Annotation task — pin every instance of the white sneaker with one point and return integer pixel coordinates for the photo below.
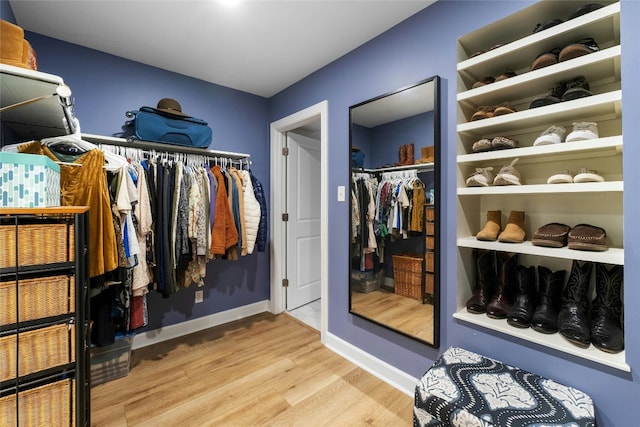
(482, 177)
(564, 177)
(508, 175)
(583, 131)
(586, 175)
(553, 135)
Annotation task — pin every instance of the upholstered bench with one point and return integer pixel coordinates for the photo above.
(466, 389)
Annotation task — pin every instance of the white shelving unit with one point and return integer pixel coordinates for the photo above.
(599, 204)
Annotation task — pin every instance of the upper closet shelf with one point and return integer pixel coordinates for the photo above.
(35, 105)
(159, 147)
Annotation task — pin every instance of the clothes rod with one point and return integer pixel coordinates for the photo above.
(146, 145)
(418, 166)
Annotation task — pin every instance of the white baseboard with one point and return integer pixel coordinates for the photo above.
(175, 331)
(380, 369)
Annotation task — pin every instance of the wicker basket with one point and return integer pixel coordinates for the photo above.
(407, 275)
(47, 405)
(39, 349)
(37, 244)
(38, 298)
(429, 259)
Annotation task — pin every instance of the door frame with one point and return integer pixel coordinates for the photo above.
(278, 187)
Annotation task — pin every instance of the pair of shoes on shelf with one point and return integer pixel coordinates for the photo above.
(486, 111)
(483, 177)
(514, 231)
(572, 50)
(575, 88)
(567, 177)
(584, 237)
(480, 52)
(582, 10)
(490, 79)
(493, 288)
(556, 134)
(496, 143)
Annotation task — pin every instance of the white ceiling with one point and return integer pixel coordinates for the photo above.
(256, 46)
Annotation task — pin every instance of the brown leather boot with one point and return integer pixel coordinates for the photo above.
(402, 155)
(410, 158)
(514, 230)
(492, 227)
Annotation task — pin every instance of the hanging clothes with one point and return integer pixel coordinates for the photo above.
(224, 234)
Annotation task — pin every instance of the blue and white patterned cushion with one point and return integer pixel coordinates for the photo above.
(465, 389)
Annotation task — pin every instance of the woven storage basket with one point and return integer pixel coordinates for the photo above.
(38, 298)
(429, 283)
(407, 275)
(38, 349)
(37, 244)
(47, 405)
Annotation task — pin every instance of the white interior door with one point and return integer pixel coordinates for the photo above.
(303, 226)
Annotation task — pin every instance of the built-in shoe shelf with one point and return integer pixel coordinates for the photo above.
(596, 203)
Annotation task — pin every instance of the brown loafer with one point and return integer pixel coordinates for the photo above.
(585, 237)
(553, 235)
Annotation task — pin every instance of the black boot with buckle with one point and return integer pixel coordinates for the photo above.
(606, 310)
(573, 322)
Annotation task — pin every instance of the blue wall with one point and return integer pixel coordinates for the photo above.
(422, 46)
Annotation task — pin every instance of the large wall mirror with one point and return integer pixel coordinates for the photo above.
(394, 234)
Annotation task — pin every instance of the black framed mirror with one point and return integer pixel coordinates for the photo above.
(394, 210)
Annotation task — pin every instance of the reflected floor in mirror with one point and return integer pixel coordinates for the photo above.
(395, 311)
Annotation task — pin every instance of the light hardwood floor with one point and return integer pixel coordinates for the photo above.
(266, 370)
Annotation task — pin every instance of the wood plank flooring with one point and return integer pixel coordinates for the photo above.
(266, 370)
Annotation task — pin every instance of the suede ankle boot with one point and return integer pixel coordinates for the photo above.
(545, 317)
(606, 310)
(492, 227)
(502, 300)
(484, 262)
(524, 302)
(514, 230)
(573, 323)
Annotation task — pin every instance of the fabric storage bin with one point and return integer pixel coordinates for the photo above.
(36, 350)
(366, 281)
(44, 243)
(47, 405)
(28, 181)
(463, 388)
(407, 275)
(38, 298)
(111, 362)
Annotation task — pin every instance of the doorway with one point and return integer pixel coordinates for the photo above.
(298, 253)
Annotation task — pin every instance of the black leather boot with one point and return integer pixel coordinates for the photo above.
(485, 278)
(502, 301)
(573, 323)
(545, 317)
(606, 310)
(524, 301)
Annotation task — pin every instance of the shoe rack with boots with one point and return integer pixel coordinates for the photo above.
(606, 310)
(545, 316)
(502, 300)
(492, 227)
(524, 302)
(514, 231)
(573, 323)
(484, 262)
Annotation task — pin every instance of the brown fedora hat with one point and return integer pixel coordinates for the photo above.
(170, 106)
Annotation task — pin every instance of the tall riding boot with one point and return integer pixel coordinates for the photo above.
(545, 317)
(573, 322)
(606, 310)
(410, 159)
(492, 227)
(402, 155)
(485, 277)
(502, 300)
(524, 301)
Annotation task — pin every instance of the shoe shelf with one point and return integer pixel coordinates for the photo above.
(509, 44)
(553, 341)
